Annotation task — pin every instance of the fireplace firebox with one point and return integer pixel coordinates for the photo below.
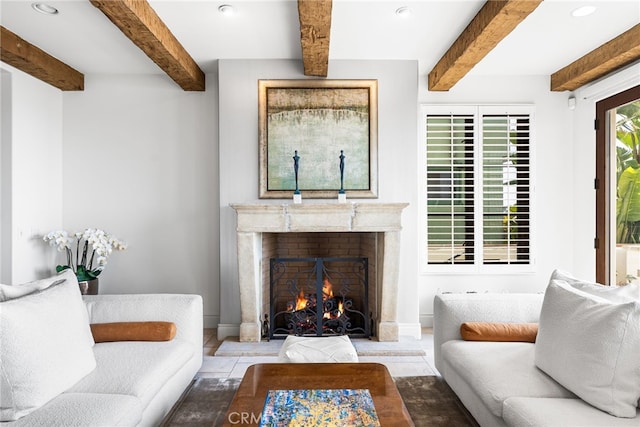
(319, 297)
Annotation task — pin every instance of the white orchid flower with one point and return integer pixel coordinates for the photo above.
(58, 239)
(53, 235)
(101, 243)
(63, 242)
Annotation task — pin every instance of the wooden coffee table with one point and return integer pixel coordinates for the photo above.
(247, 404)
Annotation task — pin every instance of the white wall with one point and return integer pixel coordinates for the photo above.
(397, 133)
(141, 159)
(553, 212)
(34, 205)
(5, 176)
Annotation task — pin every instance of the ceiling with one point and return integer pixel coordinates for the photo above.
(548, 39)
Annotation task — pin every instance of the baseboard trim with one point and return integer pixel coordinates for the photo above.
(210, 321)
(413, 330)
(228, 330)
(426, 320)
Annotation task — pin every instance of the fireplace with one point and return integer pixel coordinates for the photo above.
(318, 297)
(364, 230)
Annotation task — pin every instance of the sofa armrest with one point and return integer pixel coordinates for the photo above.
(182, 309)
(451, 310)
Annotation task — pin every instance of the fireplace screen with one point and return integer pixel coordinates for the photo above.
(318, 297)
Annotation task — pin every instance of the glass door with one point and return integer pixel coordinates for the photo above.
(618, 188)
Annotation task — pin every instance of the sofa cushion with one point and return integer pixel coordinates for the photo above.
(531, 411)
(135, 368)
(8, 292)
(591, 346)
(46, 347)
(85, 409)
(499, 331)
(317, 349)
(133, 331)
(627, 293)
(496, 371)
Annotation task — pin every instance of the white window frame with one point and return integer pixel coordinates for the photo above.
(478, 267)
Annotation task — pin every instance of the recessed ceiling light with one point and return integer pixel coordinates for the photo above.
(44, 8)
(226, 9)
(583, 11)
(403, 11)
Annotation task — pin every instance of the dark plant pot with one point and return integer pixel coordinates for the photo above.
(89, 287)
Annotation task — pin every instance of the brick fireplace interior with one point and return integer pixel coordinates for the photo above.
(322, 245)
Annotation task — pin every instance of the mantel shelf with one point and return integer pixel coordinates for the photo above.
(322, 217)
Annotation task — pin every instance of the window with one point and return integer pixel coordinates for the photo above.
(478, 185)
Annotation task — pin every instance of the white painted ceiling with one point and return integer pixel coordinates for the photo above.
(549, 39)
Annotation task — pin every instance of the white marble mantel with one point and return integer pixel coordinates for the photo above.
(255, 219)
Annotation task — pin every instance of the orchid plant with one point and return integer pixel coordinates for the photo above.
(92, 243)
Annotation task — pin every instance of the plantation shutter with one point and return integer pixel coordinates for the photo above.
(450, 188)
(478, 193)
(506, 182)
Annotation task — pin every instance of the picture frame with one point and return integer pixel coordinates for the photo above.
(318, 121)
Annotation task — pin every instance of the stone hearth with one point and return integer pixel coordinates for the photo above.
(255, 220)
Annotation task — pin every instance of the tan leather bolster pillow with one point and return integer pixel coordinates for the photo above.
(133, 331)
(497, 331)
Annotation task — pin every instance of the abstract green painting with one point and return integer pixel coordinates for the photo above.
(318, 119)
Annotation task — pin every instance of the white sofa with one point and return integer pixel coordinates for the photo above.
(498, 382)
(134, 383)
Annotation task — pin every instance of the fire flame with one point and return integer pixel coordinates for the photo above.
(302, 302)
(327, 289)
(334, 315)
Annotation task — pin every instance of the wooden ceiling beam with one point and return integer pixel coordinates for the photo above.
(32, 60)
(315, 31)
(492, 23)
(142, 25)
(611, 56)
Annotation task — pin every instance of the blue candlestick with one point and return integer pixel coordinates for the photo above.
(296, 160)
(342, 156)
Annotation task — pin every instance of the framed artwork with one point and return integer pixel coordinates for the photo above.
(318, 137)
